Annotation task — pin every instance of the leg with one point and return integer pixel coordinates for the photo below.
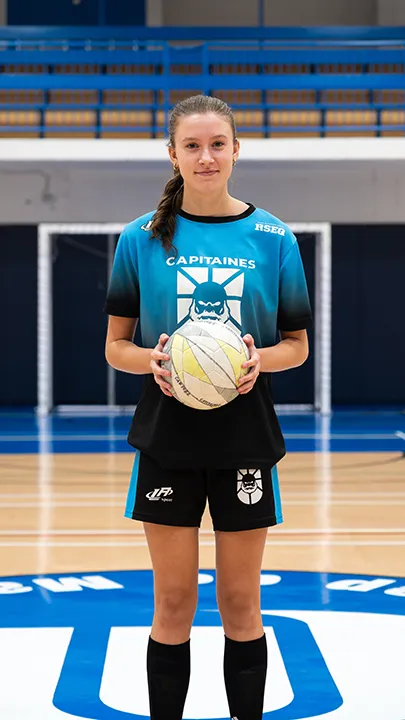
(174, 553)
(170, 503)
(239, 558)
(243, 504)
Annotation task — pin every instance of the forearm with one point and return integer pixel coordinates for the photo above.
(289, 353)
(124, 355)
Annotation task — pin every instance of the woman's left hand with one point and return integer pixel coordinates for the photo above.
(247, 381)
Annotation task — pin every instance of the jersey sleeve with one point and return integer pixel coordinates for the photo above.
(294, 309)
(123, 298)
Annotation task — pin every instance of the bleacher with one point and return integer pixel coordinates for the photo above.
(122, 82)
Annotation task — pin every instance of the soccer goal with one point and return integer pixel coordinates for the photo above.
(45, 386)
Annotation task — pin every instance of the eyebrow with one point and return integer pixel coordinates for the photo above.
(214, 137)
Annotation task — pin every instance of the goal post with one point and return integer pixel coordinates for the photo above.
(323, 314)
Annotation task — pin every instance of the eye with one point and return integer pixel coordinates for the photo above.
(219, 143)
(191, 145)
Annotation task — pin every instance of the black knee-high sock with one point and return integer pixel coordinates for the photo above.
(168, 669)
(245, 668)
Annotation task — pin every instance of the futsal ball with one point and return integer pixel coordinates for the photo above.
(205, 363)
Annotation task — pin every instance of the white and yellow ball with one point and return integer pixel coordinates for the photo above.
(205, 363)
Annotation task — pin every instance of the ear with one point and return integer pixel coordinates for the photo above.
(172, 155)
(236, 149)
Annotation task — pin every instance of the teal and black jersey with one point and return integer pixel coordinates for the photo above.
(245, 271)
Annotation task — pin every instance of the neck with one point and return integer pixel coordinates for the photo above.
(224, 204)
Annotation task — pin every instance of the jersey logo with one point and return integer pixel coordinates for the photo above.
(249, 487)
(210, 294)
(146, 226)
(274, 229)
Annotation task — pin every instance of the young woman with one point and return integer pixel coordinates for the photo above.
(205, 254)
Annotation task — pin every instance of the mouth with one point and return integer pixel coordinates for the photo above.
(207, 173)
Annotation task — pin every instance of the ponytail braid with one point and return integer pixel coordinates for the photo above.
(164, 220)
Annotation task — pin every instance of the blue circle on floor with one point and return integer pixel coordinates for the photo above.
(77, 643)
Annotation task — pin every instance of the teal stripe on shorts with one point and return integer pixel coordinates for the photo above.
(276, 494)
(129, 508)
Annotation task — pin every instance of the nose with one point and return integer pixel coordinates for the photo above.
(206, 156)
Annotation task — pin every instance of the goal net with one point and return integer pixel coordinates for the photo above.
(97, 242)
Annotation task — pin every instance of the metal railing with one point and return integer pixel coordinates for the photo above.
(301, 73)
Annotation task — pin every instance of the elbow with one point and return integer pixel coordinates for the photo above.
(302, 352)
(108, 355)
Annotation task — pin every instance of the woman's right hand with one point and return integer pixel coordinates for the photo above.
(159, 373)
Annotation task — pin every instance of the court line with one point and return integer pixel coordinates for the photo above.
(289, 436)
(208, 543)
(275, 531)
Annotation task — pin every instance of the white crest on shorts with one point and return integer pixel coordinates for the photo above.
(205, 293)
(249, 486)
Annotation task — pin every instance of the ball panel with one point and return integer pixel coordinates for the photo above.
(214, 359)
(192, 366)
(178, 341)
(235, 358)
(177, 361)
(207, 393)
(229, 394)
(183, 394)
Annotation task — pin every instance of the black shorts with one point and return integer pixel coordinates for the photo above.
(238, 499)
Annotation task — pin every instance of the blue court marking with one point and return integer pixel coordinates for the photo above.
(95, 603)
(344, 431)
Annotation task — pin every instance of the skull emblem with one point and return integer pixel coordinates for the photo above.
(249, 486)
(209, 303)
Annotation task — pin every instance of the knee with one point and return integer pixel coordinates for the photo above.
(240, 610)
(175, 606)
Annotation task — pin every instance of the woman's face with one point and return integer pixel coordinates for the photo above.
(204, 151)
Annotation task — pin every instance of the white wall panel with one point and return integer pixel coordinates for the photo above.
(390, 12)
(288, 12)
(319, 12)
(3, 12)
(305, 191)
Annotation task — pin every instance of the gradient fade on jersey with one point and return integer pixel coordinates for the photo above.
(245, 271)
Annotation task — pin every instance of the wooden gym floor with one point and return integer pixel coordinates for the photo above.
(61, 508)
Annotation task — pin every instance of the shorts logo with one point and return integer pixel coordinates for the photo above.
(249, 486)
(160, 494)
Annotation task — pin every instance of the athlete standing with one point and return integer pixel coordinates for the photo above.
(203, 253)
